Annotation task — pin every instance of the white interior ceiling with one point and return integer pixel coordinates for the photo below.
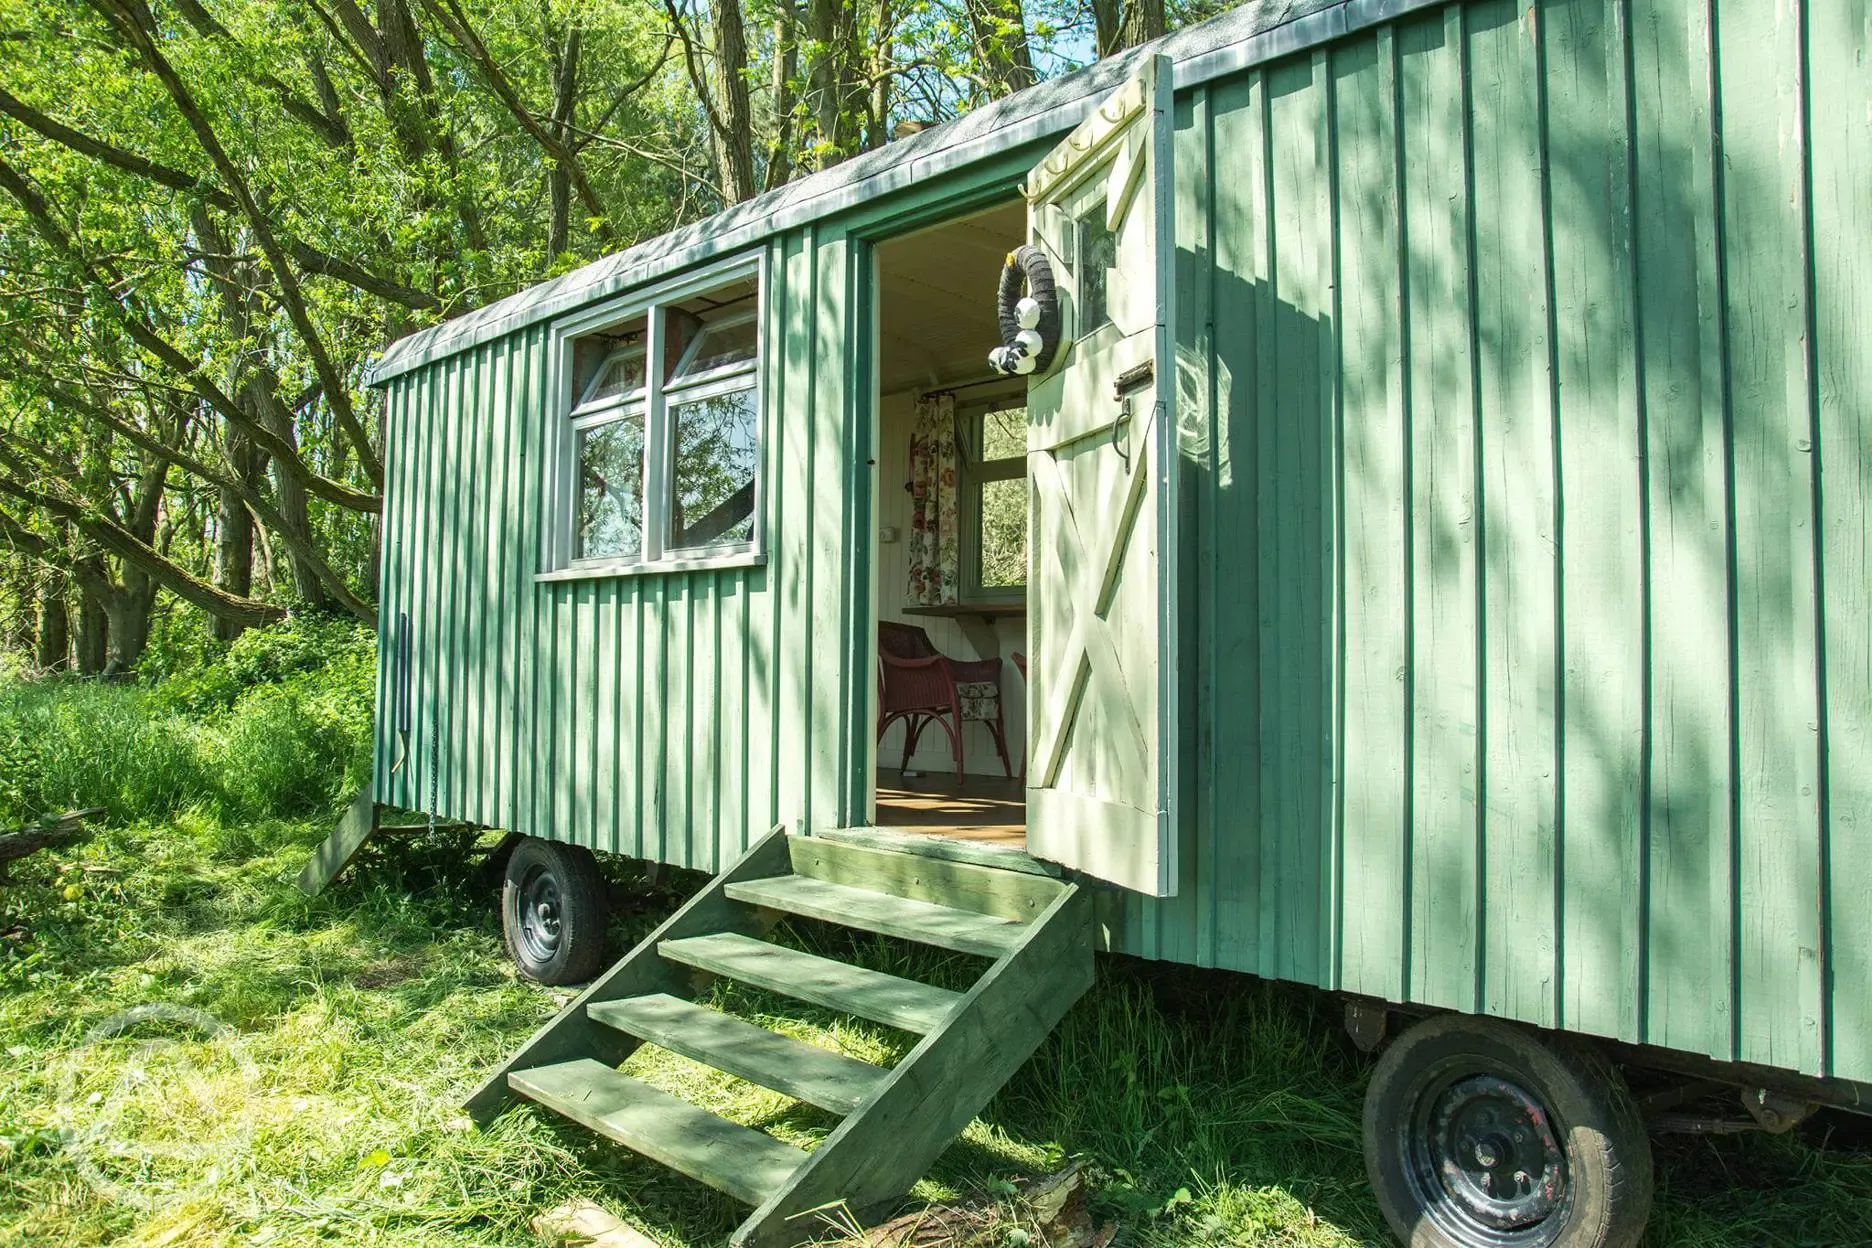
(936, 300)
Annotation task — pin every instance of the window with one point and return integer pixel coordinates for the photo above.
(663, 464)
(716, 449)
(1098, 255)
(993, 502)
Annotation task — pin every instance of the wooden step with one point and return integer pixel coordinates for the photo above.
(964, 931)
(887, 999)
(746, 1164)
(876, 1154)
(959, 885)
(571, 1033)
(807, 1072)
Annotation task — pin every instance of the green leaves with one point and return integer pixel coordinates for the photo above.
(214, 214)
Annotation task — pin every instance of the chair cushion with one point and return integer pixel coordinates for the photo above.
(981, 699)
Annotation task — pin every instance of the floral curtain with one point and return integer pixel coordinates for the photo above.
(934, 561)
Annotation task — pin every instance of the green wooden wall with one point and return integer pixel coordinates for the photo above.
(1524, 405)
(670, 717)
(1527, 420)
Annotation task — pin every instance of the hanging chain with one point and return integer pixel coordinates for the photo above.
(435, 750)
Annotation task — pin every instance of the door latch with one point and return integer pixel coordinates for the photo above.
(1123, 422)
(1134, 378)
(1124, 386)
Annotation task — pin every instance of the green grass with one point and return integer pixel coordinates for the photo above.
(1208, 1108)
(277, 726)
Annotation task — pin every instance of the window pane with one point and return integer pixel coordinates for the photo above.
(1098, 252)
(1004, 434)
(622, 373)
(610, 519)
(1004, 533)
(720, 346)
(609, 364)
(716, 452)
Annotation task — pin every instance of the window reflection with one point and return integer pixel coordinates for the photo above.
(1098, 253)
(610, 514)
(716, 452)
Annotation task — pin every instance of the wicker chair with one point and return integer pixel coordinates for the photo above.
(920, 685)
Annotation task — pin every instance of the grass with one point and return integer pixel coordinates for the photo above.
(278, 725)
(1208, 1108)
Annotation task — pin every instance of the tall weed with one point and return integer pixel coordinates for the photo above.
(278, 726)
(73, 744)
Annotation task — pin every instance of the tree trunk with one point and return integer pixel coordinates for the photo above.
(261, 398)
(1143, 22)
(53, 650)
(877, 98)
(1000, 31)
(1120, 25)
(559, 179)
(785, 65)
(731, 85)
(93, 633)
(130, 607)
(373, 567)
(825, 80)
(129, 614)
(559, 219)
(234, 534)
(1107, 21)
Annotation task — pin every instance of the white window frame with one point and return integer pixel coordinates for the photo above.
(656, 399)
(588, 407)
(720, 371)
(972, 474)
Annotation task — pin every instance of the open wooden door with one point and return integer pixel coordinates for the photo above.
(1102, 717)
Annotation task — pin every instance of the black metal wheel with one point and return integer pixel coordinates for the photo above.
(553, 911)
(1479, 1134)
(1483, 1159)
(540, 924)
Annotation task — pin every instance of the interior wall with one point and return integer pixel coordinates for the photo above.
(950, 636)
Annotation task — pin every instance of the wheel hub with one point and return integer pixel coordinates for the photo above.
(1495, 1154)
(540, 922)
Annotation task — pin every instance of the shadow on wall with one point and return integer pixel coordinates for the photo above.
(1515, 624)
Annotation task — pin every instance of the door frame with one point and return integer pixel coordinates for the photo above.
(999, 188)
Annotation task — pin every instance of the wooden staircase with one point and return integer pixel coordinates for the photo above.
(895, 1121)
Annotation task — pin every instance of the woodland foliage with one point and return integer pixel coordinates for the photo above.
(214, 213)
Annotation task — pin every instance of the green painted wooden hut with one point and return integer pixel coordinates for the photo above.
(1436, 554)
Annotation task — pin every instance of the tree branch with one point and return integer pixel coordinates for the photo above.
(172, 357)
(456, 23)
(262, 510)
(120, 541)
(328, 126)
(133, 21)
(309, 258)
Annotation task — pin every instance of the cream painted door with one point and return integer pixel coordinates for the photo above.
(1102, 716)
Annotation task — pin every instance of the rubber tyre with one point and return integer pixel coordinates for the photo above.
(1607, 1155)
(1027, 272)
(565, 946)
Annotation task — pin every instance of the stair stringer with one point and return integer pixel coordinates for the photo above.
(889, 1142)
(570, 1034)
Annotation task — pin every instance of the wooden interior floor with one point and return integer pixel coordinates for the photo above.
(982, 808)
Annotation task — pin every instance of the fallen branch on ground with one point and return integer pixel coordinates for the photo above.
(51, 831)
